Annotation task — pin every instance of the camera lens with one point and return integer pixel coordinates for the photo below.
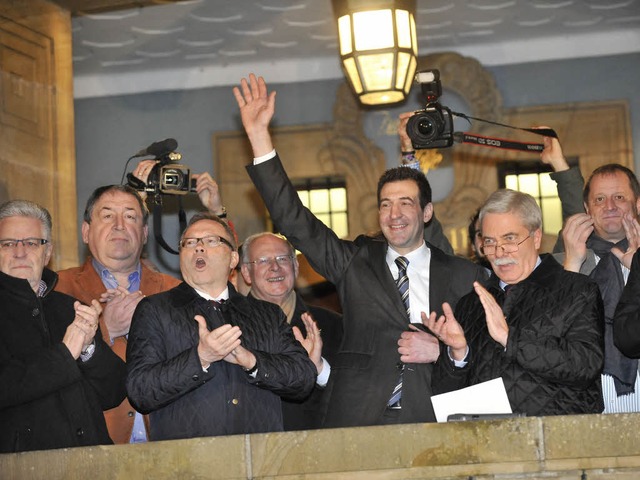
(173, 179)
(425, 127)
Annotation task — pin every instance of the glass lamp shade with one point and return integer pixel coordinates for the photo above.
(378, 48)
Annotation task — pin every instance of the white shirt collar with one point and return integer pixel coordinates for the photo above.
(224, 295)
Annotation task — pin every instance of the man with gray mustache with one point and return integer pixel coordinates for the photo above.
(536, 325)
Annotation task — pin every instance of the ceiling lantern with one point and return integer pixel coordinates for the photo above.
(378, 47)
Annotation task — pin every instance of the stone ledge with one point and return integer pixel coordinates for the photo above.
(603, 446)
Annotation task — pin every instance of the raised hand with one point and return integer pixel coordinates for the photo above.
(80, 332)
(632, 232)
(447, 329)
(312, 343)
(216, 344)
(208, 192)
(575, 233)
(257, 107)
(552, 153)
(405, 141)
(119, 306)
(496, 321)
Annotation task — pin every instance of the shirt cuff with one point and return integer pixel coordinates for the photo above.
(265, 157)
(323, 377)
(459, 363)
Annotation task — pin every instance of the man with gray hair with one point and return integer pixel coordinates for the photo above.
(270, 267)
(57, 373)
(536, 325)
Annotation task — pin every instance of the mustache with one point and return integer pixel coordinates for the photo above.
(504, 261)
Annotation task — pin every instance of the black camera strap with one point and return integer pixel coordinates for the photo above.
(475, 139)
(157, 222)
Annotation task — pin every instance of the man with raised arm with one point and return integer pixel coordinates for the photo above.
(382, 373)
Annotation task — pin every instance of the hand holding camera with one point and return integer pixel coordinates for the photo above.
(162, 175)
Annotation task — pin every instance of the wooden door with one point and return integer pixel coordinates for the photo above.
(37, 149)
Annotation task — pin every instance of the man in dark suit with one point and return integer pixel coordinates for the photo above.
(270, 267)
(384, 354)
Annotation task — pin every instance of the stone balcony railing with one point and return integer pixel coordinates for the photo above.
(581, 447)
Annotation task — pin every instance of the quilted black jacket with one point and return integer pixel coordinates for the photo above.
(554, 353)
(48, 399)
(166, 380)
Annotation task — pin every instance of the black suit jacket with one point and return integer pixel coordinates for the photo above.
(365, 371)
(308, 414)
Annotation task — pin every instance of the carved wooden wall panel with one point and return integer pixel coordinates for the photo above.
(37, 158)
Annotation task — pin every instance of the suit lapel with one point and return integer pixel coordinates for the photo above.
(378, 263)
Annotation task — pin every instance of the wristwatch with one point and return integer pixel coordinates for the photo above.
(223, 214)
(87, 352)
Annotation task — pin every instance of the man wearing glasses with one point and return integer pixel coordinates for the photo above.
(536, 325)
(202, 359)
(270, 267)
(57, 374)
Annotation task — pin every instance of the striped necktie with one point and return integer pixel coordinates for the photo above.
(403, 282)
(403, 287)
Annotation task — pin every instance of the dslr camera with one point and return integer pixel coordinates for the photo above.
(433, 126)
(167, 177)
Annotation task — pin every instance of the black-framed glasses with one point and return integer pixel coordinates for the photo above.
(30, 243)
(281, 260)
(208, 241)
(507, 247)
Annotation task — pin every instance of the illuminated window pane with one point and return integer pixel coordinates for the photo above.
(552, 215)
(344, 27)
(511, 181)
(304, 197)
(319, 200)
(373, 29)
(403, 27)
(340, 224)
(326, 197)
(548, 187)
(528, 183)
(324, 218)
(533, 177)
(338, 197)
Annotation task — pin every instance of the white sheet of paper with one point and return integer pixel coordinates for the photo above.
(485, 397)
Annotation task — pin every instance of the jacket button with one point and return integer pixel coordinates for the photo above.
(234, 401)
(195, 378)
(79, 432)
(35, 312)
(130, 413)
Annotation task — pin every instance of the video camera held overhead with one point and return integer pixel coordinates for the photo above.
(167, 177)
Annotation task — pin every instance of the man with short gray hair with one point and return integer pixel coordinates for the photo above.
(535, 325)
(270, 267)
(57, 373)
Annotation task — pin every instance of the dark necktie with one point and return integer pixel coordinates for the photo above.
(403, 287)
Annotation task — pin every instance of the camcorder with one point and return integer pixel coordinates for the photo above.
(431, 127)
(167, 177)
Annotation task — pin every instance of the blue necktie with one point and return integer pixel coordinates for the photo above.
(403, 287)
